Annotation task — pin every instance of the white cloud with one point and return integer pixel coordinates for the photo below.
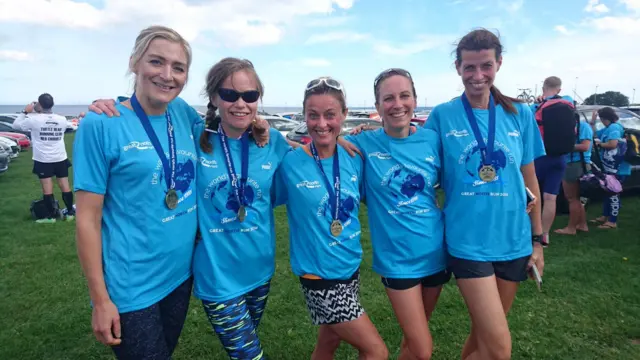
(15, 55)
(329, 21)
(632, 4)
(623, 25)
(562, 30)
(235, 23)
(422, 43)
(515, 6)
(594, 6)
(315, 62)
(337, 36)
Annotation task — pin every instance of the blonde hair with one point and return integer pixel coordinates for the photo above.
(151, 33)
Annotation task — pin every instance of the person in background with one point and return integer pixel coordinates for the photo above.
(323, 187)
(578, 163)
(49, 153)
(612, 144)
(549, 168)
(136, 219)
(402, 167)
(489, 144)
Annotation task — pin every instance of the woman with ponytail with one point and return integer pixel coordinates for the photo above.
(489, 143)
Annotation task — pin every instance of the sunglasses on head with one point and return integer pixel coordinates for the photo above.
(230, 95)
(332, 83)
(389, 72)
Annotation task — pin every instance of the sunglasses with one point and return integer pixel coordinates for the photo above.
(332, 83)
(230, 95)
(389, 72)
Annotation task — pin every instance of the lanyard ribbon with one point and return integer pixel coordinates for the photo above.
(238, 186)
(169, 165)
(486, 150)
(334, 194)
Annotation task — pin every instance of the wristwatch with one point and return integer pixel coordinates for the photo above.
(539, 239)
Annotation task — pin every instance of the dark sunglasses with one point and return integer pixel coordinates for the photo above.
(230, 95)
(389, 72)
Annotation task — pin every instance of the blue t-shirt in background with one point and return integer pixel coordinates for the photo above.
(613, 159)
(235, 257)
(407, 227)
(146, 248)
(486, 221)
(585, 133)
(313, 249)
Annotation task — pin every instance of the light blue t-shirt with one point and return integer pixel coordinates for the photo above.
(613, 159)
(486, 221)
(146, 248)
(585, 133)
(407, 227)
(313, 249)
(235, 257)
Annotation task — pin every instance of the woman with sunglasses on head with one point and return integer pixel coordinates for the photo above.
(235, 260)
(489, 144)
(323, 193)
(136, 219)
(402, 166)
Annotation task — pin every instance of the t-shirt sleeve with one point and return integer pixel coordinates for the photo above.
(23, 123)
(278, 188)
(281, 146)
(91, 167)
(532, 145)
(433, 121)
(616, 132)
(356, 139)
(586, 133)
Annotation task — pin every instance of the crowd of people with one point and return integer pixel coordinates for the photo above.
(169, 205)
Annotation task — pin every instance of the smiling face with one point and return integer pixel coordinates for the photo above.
(237, 116)
(478, 71)
(396, 102)
(161, 72)
(324, 115)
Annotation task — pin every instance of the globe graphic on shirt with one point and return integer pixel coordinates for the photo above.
(185, 173)
(347, 205)
(405, 183)
(223, 194)
(473, 162)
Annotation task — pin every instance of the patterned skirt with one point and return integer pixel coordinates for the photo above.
(332, 301)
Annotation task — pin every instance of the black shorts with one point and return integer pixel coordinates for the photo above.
(433, 280)
(58, 169)
(510, 270)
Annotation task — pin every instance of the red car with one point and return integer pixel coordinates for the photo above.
(22, 140)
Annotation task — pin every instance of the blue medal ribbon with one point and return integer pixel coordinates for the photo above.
(238, 186)
(486, 150)
(169, 165)
(334, 191)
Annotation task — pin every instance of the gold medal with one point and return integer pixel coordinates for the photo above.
(336, 228)
(171, 199)
(487, 173)
(242, 213)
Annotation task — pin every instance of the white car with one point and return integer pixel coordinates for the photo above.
(283, 125)
(10, 146)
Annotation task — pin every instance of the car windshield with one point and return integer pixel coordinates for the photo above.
(628, 120)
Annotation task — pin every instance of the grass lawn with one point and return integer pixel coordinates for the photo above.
(590, 307)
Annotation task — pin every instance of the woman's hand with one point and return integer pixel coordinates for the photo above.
(104, 106)
(260, 129)
(537, 258)
(105, 321)
(531, 205)
(351, 149)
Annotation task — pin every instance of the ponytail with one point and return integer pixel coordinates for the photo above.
(212, 122)
(505, 101)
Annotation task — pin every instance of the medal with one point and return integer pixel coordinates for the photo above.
(242, 213)
(171, 199)
(168, 165)
(333, 191)
(336, 228)
(487, 173)
(237, 185)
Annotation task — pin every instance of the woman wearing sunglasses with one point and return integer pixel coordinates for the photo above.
(402, 166)
(489, 144)
(136, 220)
(323, 193)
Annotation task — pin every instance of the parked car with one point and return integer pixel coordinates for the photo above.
(300, 134)
(4, 127)
(22, 139)
(4, 161)
(8, 118)
(631, 123)
(283, 125)
(11, 146)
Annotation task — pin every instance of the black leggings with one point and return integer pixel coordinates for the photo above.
(153, 332)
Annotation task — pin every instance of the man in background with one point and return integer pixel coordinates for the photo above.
(49, 152)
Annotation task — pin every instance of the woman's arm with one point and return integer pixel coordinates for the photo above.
(105, 318)
(531, 181)
(611, 144)
(583, 146)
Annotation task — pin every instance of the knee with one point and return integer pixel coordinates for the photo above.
(378, 352)
(419, 351)
(548, 198)
(500, 350)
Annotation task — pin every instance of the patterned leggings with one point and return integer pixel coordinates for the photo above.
(236, 321)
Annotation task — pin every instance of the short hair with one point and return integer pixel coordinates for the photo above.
(46, 101)
(552, 82)
(607, 113)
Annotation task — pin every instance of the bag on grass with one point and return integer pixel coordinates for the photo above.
(598, 180)
(39, 209)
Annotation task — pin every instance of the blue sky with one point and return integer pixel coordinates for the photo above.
(79, 50)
